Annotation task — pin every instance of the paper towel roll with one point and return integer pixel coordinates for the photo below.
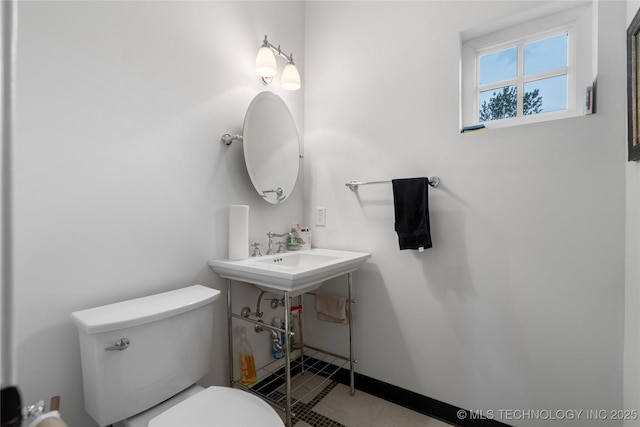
(238, 232)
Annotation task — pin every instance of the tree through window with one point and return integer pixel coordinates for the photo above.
(502, 105)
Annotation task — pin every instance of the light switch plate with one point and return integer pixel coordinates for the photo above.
(321, 216)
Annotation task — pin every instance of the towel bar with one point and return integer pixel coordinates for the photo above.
(353, 185)
(314, 294)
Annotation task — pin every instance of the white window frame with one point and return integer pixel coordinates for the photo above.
(576, 21)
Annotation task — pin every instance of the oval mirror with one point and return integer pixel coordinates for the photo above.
(271, 147)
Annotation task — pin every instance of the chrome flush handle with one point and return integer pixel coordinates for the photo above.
(120, 345)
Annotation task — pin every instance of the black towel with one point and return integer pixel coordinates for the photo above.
(411, 204)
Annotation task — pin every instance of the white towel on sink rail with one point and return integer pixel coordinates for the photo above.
(332, 308)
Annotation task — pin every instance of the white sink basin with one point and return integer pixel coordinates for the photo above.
(293, 272)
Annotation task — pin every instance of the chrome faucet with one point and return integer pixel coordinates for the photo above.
(256, 249)
(271, 235)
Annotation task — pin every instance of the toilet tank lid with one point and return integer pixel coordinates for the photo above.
(143, 310)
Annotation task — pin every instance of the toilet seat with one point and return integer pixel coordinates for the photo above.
(219, 406)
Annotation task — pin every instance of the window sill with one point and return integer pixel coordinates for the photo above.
(538, 118)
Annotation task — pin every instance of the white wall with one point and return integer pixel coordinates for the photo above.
(632, 288)
(519, 304)
(121, 183)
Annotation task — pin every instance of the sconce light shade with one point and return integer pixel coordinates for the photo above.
(266, 62)
(290, 77)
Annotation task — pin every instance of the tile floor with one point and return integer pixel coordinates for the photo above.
(325, 403)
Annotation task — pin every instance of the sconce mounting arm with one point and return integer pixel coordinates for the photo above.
(277, 50)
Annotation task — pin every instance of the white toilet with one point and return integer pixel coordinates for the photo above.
(141, 359)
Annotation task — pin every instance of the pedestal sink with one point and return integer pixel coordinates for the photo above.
(293, 272)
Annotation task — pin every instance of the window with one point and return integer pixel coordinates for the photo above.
(528, 72)
(528, 78)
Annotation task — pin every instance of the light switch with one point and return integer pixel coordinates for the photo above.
(321, 217)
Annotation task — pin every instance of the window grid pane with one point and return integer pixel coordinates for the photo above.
(496, 104)
(498, 66)
(546, 54)
(545, 95)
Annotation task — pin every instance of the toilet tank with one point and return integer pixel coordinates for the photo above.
(169, 349)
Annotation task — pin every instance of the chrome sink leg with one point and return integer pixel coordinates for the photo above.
(287, 356)
(230, 333)
(350, 322)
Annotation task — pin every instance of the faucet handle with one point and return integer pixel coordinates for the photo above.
(282, 247)
(270, 235)
(256, 249)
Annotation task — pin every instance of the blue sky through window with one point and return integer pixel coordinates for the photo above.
(546, 54)
(498, 66)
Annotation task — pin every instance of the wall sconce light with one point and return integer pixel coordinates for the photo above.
(266, 66)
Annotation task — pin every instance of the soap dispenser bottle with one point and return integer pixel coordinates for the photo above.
(292, 241)
(248, 373)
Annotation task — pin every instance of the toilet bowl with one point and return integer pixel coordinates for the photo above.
(141, 360)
